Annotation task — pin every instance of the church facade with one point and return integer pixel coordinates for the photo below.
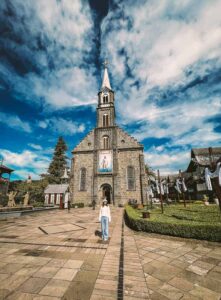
(108, 162)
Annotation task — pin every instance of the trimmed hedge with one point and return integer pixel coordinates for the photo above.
(181, 228)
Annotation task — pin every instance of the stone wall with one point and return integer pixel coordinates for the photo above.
(125, 159)
(83, 160)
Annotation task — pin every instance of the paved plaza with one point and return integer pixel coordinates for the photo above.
(58, 255)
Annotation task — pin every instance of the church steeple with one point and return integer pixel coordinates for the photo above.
(106, 81)
(105, 109)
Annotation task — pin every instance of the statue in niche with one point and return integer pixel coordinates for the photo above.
(11, 198)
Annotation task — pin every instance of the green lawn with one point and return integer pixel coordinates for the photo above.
(179, 214)
(195, 221)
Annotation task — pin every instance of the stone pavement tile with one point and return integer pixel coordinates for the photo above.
(179, 263)
(57, 263)
(87, 276)
(190, 276)
(38, 297)
(55, 288)
(33, 285)
(73, 264)
(211, 260)
(188, 258)
(27, 270)
(79, 290)
(149, 269)
(11, 268)
(197, 270)
(214, 275)
(66, 274)
(100, 297)
(151, 255)
(181, 284)
(104, 292)
(136, 294)
(134, 278)
(3, 276)
(13, 282)
(153, 283)
(131, 273)
(217, 269)
(213, 254)
(157, 296)
(20, 296)
(106, 286)
(204, 293)
(46, 272)
(204, 265)
(107, 282)
(170, 292)
(4, 293)
(212, 284)
(108, 277)
(165, 259)
(190, 297)
(39, 261)
(166, 272)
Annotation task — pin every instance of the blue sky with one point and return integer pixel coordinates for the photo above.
(165, 69)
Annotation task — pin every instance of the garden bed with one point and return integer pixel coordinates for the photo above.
(195, 221)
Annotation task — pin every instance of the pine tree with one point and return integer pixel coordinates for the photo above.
(58, 163)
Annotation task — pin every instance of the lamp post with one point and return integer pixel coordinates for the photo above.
(161, 201)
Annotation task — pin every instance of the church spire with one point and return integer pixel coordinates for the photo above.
(106, 81)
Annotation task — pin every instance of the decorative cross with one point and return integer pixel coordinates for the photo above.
(105, 63)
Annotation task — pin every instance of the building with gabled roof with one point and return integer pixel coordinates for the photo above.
(108, 162)
(4, 181)
(200, 159)
(57, 194)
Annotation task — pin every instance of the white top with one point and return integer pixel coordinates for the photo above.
(105, 212)
(106, 81)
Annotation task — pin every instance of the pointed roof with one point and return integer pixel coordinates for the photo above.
(106, 81)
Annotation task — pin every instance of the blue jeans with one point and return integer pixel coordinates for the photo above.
(104, 227)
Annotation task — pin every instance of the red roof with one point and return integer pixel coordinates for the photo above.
(4, 169)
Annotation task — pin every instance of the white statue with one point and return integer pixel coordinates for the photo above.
(11, 198)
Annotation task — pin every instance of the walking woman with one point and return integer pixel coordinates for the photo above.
(105, 218)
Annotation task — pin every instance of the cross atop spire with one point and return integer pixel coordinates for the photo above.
(105, 63)
(106, 81)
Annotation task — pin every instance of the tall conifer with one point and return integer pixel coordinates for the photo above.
(58, 163)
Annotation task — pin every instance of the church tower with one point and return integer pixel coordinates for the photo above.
(108, 162)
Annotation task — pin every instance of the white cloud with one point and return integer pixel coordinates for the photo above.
(26, 162)
(164, 38)
(167, 161)
(34, 146)
(15, 122)
(57, 39)
(63, 126)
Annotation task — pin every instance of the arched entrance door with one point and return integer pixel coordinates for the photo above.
(106, 192)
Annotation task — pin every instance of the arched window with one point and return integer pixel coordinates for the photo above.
(105, 99)
(106, 143)
(105, 120)
(83, 174)
(130, 178)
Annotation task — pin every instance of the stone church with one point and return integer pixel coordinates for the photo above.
(108, 162)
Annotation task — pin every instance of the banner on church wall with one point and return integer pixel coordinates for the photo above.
(105, 161)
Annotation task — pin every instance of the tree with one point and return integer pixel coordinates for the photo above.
(58, 163)
(149, 171)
